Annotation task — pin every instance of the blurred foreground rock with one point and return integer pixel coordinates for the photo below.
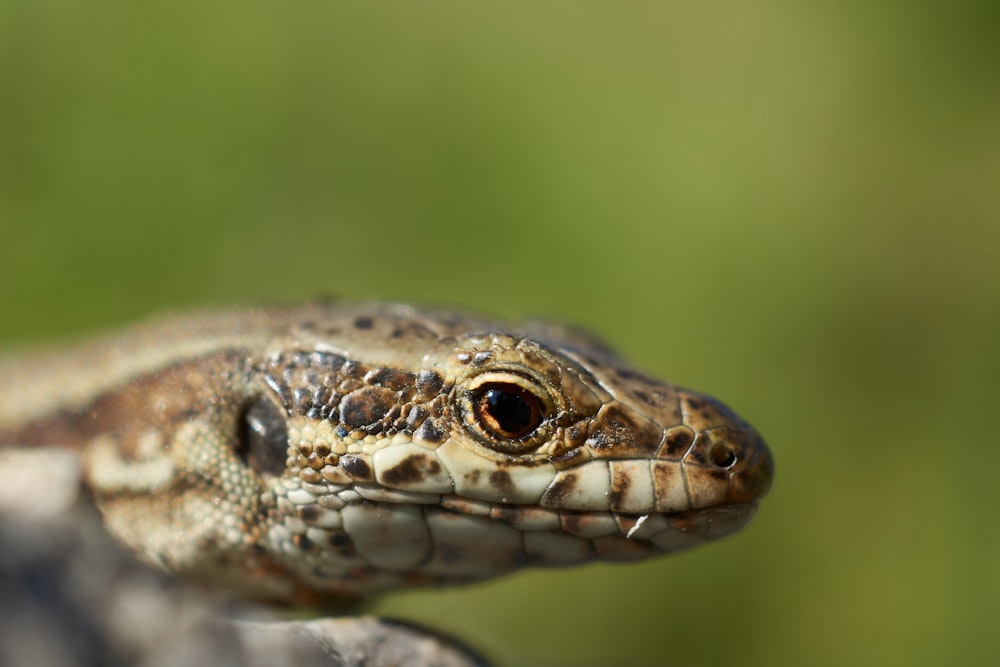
(71, 597)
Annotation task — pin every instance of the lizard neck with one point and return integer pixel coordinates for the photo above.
(145, 405)
(41, 386)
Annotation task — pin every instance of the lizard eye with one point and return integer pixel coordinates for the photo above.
(506, 411)
(263, 437)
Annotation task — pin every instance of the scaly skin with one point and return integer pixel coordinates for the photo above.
(318, 453)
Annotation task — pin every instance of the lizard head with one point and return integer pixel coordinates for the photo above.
(366, 450)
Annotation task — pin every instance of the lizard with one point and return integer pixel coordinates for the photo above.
(316, 454)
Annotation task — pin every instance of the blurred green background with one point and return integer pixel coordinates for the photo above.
(795, 207)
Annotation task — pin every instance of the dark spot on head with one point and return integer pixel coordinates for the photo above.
(411, 470)
(416, 416)
(665, 475)
(308, 513)
(390, 378)
(315, 461)
(576, 434)
(418, 330)
(501, 481)
(321, 397)
(571, 458)
(676, 442)
(303, 542)
(560, 490)
(620, 432)
(429, 382)
(620, 484)
(366, 406)
(364, 323)
(695, 408)
(430, 432)
(341, 543)
(357, 468)
(397, 332)
(339, 540)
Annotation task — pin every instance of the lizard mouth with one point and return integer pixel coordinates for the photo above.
(385, 539)
(449, 537)
(606, 535)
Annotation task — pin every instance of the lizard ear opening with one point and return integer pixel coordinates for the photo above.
(262, 437)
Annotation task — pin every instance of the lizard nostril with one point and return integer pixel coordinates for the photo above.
(722, 455)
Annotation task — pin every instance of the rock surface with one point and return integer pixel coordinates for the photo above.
(72, 597)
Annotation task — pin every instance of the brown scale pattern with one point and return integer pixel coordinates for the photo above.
(354, 395)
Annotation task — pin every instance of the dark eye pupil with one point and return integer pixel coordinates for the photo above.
(511, 412)
(508, 411)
